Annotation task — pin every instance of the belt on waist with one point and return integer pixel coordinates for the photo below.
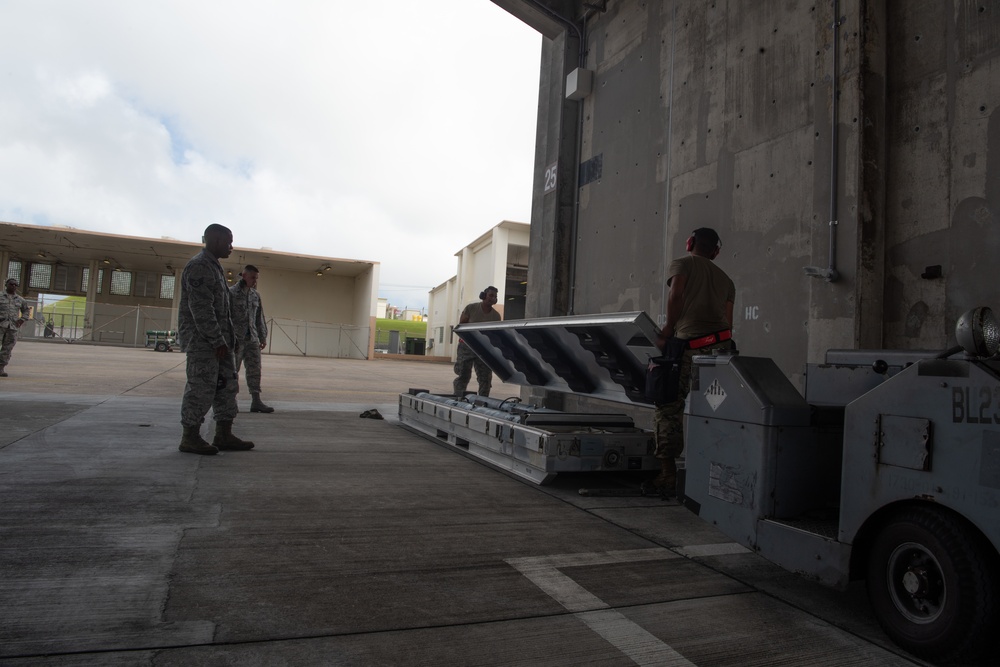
(710, 339)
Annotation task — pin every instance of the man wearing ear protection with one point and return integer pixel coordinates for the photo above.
(480, 311)
(699, 320)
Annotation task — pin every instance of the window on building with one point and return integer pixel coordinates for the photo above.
(121, 283)
(14, 270)
(440, 334)
(67, 278)
(147, 284)
(166, 287)
(41, 276)
(85, 281)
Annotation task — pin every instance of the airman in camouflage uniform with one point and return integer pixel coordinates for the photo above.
(251, 332)
(699, 320)
(465, 358)
(13, 313)
(205, 330)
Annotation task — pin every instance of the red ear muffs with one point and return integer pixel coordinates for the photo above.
(690, 243)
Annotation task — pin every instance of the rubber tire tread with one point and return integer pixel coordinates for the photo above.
(969, 573)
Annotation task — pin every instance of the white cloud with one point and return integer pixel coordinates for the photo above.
(395, 131)
(77, 93)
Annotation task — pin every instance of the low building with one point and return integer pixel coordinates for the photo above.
(315, 306)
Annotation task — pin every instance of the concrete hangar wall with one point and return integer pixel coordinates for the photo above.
(768, 120)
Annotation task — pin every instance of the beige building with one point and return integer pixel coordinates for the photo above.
(315, 306)
(499, 258)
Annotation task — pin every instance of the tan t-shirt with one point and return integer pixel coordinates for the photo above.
(706, 291)
(476, 314)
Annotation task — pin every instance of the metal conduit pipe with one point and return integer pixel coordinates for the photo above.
(506, 405)
(581, 53)
(830, 274)
(495, 408)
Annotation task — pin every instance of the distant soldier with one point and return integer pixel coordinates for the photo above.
(13, 313)
(251, 332)
(466, 359)
(205, 328)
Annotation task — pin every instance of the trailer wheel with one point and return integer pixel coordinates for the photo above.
(932, 585)
(161, 347)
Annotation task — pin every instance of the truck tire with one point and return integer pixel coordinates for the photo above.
(161, 347)
(932, 585)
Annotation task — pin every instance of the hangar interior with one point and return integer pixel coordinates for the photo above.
(847, 151)
(314, 306)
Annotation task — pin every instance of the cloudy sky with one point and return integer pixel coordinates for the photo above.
(396, 131)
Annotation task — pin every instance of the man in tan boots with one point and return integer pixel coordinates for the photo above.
(466, 359)
(206, 334)
(699, 319)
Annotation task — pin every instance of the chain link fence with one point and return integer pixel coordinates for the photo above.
(317, 339)
(148, 326)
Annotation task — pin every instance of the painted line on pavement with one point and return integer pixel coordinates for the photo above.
(639, 645)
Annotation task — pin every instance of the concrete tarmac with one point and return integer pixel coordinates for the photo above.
(348, 541)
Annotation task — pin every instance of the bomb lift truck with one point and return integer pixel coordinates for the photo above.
(887, 469)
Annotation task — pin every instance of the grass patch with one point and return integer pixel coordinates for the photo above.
(408, 327)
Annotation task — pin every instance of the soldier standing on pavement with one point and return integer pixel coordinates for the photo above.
(699, 319)
(205, 328)
(13, 313)
(466, 359)
(251, 332)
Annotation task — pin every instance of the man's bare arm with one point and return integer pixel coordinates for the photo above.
(675, 303)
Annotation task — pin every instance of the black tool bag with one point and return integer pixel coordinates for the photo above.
(663, 374)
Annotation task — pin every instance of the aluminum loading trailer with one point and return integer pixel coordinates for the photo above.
(530, 442)
(600, 356)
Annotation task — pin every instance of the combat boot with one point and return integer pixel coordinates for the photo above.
(258, 405)
(193, 443)
(225, 440)
(665, 483)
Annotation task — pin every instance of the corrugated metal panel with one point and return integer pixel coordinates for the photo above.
(603, 355)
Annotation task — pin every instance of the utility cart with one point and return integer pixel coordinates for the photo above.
(161, 341)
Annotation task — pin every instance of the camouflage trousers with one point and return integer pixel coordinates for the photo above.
(248, 355)
(669, 418)
(211, 383)
(467, 360)
(8, 339)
